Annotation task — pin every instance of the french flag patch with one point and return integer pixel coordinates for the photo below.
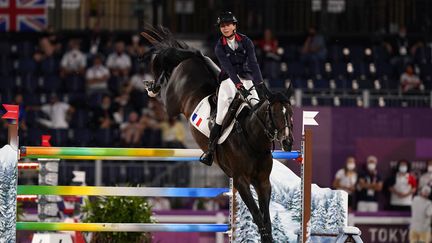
(197, 120)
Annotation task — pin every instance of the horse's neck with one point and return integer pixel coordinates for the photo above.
(256, 128)
(188, 96)
(187, 87)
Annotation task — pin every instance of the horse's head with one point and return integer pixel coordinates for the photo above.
(153, 87)
(279, 120)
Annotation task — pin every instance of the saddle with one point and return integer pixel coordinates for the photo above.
(204, 115)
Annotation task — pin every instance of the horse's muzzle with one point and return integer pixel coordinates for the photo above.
(152, 88)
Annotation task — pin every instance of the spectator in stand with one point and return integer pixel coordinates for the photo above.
(421, 214)
(314, 51)
(55, 41)
(131, 131)
(103, 115)
(137, 80)
(19, 100)
(73, 61)
(136, 89)
(401, 48)
(58, 113)
(402, 187)
(151, 130)
(409, 81)
(46, 47)
(346, 179)
(173, 133)
(426, 178)
(207, 204)
(155, 109)
(135, 49)
(97, 76)
(38, 57)
(369, 185)
(159, 203)
(119, 61)
(271, 59)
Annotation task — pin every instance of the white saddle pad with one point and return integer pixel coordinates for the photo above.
(201, 116)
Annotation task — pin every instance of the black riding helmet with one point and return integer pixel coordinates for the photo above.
(226, 17)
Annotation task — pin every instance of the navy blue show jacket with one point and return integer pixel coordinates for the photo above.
(241, 61)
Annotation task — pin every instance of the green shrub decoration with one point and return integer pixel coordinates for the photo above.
(118, 210)
(19, 212)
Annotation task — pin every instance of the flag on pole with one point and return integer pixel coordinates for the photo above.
(12, 112)
(309, 119)
(46, 140)
(23, 15)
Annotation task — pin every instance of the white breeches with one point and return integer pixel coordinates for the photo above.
(226, 94)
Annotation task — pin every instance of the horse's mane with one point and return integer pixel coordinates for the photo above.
(168, 51)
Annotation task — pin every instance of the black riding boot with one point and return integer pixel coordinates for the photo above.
(207, 157)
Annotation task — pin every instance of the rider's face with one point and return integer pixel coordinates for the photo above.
(227, 29)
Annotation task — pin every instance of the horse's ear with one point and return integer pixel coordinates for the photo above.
(289, 91)
(148, 37)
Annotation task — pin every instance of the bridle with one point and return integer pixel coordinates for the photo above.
(269, 125)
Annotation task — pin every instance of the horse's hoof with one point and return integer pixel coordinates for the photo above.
(266, 239)
(207, 159)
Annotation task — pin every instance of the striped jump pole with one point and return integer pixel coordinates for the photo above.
(121, 227)
(121, 191)
(26, 198)
(28, 166)
(80, 153)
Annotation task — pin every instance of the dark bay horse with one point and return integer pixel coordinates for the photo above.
(183, 78)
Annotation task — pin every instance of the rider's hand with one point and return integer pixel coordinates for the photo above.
(243, 91)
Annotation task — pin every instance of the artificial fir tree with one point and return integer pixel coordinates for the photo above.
(278, 231)
(319, 217)
(246, 229)
(296, 205)
(8, 183)
(287, 199)
(336, 212)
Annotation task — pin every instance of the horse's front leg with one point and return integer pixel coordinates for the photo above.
(243, 187)
(263, 190)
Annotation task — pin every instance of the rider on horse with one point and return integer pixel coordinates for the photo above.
(239, 71)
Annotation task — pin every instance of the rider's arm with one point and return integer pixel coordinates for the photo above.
(252, 62)
(226, 64)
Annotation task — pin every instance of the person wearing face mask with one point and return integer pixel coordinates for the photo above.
(346, 179)
(426, 177)
(402, 187)
(421, 214)
(368, 187)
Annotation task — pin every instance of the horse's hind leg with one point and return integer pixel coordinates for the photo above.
(243, 187)
(263, 190)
